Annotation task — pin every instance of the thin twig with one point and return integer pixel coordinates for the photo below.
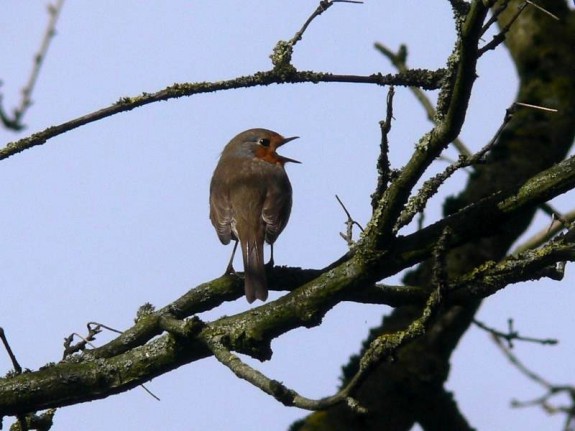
(399, 60)
(519, 365)
(15, 123)
(541, 237)
(69, 349)
(500, 37)
(101, 325)
(512, 335)
(541, 108)
(150, 392)
(552, 390)
(278, 390)
(322, 7)
(545, 11)
(15, 364)
(383, 164)
(418, 202)
(350, 222)
(494, 15)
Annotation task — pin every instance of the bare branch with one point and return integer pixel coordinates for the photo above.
(69, 349)
(278, 390)
(495, 13)
(350, 222)
(425, 79)
(453, 97)
(15, 123)
(399, 60)
(512, 335)
(15, 364)
(381, 348)
(322, 7)
(500, 37)
(546, 234)
(383, 165)
(545, 11)
(552, 390)
(417, 203)
(541, 108)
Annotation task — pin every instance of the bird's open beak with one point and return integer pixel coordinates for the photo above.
(287, 159)
(286, 140)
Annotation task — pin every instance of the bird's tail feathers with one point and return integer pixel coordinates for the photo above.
(256, 286)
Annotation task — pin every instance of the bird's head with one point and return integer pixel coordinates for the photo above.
(261, 144)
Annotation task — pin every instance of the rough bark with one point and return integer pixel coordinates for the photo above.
(411, 389)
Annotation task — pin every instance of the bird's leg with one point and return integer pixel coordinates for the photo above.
(270, 264)
(230, 269)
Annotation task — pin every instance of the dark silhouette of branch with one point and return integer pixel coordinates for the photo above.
(551, 390)
(384, 171)
(349, 223)
(15, 363)
(513, 335)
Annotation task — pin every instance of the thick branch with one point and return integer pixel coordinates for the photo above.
(131, 362)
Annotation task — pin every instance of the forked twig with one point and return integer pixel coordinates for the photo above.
(551, 389)
(512, 334)
(383, 165)
(322, 7)
(500, 37)
(399, 61)
(350, 222)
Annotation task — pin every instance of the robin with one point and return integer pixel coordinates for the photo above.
(250, 201)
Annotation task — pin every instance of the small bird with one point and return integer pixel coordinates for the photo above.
(250, 201)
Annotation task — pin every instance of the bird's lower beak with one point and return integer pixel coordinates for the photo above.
(287, 159)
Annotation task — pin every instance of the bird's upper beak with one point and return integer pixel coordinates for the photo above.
(286, 140)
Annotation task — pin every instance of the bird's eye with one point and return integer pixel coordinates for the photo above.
(264, 142)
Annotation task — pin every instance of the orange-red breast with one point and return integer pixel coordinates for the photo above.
(250, 201)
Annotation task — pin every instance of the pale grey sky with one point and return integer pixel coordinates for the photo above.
(100, 220)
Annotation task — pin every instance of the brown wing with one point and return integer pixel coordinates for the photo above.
(221, 210)
(277, 207)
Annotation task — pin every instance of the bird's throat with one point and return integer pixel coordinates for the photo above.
(269, 156)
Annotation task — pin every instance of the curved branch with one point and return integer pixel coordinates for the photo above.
(423, 78)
